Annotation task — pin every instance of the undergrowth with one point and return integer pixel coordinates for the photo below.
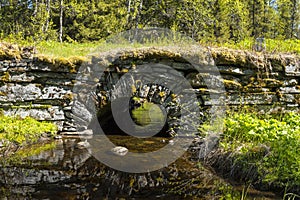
(270, 142)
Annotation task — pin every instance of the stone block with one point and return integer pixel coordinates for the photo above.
(292, 70)
(53, 113)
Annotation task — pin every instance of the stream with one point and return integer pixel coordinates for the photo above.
(68, 172)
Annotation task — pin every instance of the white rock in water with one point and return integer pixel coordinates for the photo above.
(82, 145)
(58, 137)
(120, 151)
(86, 132)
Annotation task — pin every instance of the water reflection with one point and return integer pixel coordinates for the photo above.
(68, 172)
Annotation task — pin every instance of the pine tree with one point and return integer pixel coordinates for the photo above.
(233, 20)
(256, 12)
(289, 17)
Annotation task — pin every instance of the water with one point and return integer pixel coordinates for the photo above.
(67, 172)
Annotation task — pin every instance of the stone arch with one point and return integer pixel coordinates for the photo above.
(116, 64)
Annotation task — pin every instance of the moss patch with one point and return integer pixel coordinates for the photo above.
(5, 77)
(232, 84)
(22, 131)
(72, 63)
(9, 51)
(28, 107)
(142, 53)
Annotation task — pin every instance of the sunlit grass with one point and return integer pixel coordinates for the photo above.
(271, 142)
(56, 49)
(272, 45)
(27, 130)
(65, 49)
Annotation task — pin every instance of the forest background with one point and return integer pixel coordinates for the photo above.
(206, 21)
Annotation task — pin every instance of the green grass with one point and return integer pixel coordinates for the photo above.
(27, 130)
(272, 45)
(271, 143)
(57, 50)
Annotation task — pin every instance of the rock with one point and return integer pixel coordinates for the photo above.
(43, 139)
(292, 70)
(82, 145)
(86, 132)
(119, 151)
(73, 131)
(58, 137)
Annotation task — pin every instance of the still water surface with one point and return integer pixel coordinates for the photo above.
(68, 172)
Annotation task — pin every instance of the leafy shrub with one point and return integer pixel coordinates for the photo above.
(271, 142)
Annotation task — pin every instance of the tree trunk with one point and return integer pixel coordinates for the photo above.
(128, 13)
(194, 22)
(35, 8)
(61, 21)
(139, 14)
(293, 17)
(48, 15)
(253, 19)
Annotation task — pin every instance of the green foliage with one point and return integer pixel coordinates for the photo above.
(203, 20)
(27, 130)
(56, 49)
(148, 113)
(272, 45)
(272, 143)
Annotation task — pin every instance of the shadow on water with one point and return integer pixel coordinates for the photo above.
(67, 172)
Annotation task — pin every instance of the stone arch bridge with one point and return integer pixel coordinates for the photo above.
(47, 88)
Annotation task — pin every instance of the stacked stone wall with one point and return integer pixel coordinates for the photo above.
(42, 88)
